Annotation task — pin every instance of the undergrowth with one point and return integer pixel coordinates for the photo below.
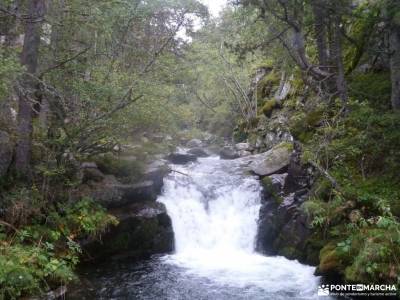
(40, 256)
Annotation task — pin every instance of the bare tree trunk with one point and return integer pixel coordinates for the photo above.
(29, 58)
(395, 65)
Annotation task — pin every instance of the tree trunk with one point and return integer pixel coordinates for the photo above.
(320, 31)
(11, 30)
(395, 65)
(337, 53)
(29, 58)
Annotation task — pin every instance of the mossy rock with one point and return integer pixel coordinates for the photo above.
(290, 252)
(270, 190)
(303, 125)
(267, 85)
(268, 107)
(330, 260)
(252, 139)
(286, 145)
(314, 117)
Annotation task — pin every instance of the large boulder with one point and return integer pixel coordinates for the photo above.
(199, 152)
(111, 193)
(181, 158)
(6, 152)
(194, 143)
(273, 161)
(144, 229)
(229, 153)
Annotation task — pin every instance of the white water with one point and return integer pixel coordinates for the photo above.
(214, 211)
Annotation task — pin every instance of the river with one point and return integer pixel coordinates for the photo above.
(214, 206)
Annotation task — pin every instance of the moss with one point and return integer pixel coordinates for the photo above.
(266, 86)
(254, 122)
(266, 182)
(269, 107)
(290, 252)
(329, 259)
(269, 190)
(252, 138)
(287, 145)
(303, 125)
(313, 118)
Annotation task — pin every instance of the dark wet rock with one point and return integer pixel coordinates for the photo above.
(181, 158)
(291, 241)
(156, 172)
(268, 228)
(229, 153)
(299, 176)
(283, 227)
(199, 152)
(144, 229)
(6, 152)
(273, 217)
(273, 185)
(141, 191)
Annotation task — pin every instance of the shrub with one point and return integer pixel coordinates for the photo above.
(43, 255)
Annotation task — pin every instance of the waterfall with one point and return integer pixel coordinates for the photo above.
(214, 207)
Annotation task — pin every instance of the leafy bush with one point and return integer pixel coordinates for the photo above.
(43, 255)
